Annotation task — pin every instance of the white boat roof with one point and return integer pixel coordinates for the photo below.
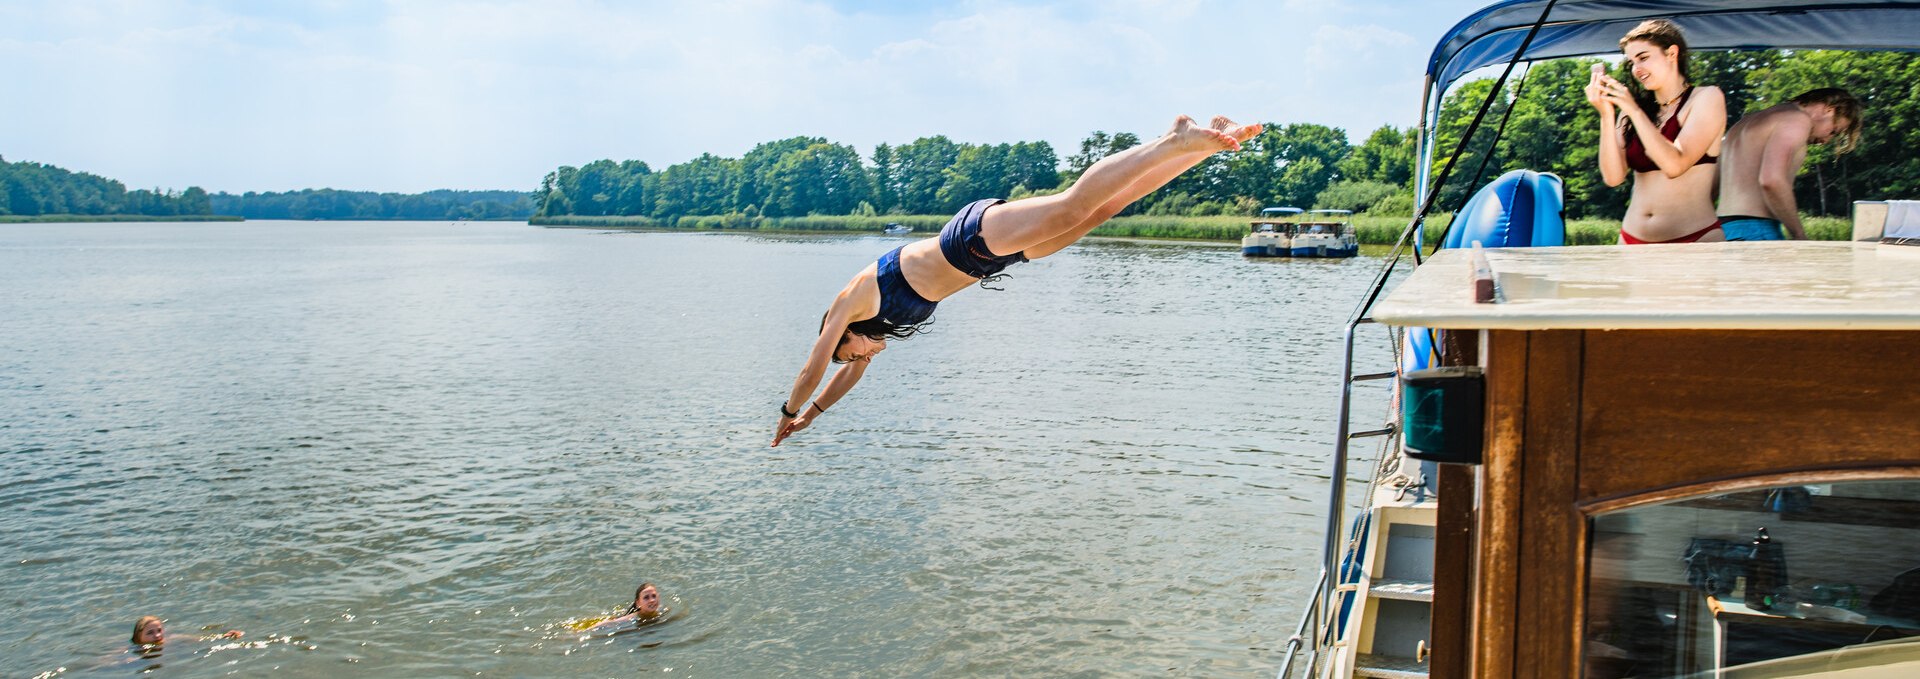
(1783, 285)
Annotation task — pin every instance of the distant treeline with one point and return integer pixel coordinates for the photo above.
(29, 189)
(1551, 128)
(332, 204)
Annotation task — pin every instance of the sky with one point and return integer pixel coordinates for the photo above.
(415, 95)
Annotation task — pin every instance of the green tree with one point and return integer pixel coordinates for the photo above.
(822, 178)
(702, 186)
(920, 172)
(1305, 155)
(1732, 72)
(978, 172)
(1096, 146)
(886, 183)
(757, 185)
(1456, 113)
(1387, 156)
(1884, 165)
(195, 202)
(1032, 165)
(595, 187)
(632, 197)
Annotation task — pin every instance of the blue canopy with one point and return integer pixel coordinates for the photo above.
(1585, 27)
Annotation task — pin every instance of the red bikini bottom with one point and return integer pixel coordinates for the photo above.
(1689, 238)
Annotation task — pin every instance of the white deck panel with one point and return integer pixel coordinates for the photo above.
(1778, 285)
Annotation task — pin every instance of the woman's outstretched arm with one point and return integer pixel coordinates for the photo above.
(842, 382)
(854, 301)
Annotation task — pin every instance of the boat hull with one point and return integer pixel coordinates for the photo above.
(1325, 251)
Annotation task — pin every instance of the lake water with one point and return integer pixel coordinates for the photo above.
(417, 449)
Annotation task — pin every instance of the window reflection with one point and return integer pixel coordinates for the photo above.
(1782, 582)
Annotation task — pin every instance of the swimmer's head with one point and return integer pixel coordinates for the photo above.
(854, 346)
(149, 629)
(646, 600)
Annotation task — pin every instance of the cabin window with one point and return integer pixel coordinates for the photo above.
(1778, 582)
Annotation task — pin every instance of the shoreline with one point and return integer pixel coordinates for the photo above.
(81, 219)
(1370, 230)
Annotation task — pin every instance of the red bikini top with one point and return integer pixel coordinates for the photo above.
(1637, 159)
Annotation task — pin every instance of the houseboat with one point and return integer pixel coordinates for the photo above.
(1271, 234)
(1325, 233)
(1697, 460)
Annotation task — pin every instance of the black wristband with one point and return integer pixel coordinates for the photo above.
(816, 404)
(788, 413)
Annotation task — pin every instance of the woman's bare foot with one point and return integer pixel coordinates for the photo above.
(1188, 135)
(1223, 135)
(1239, 132)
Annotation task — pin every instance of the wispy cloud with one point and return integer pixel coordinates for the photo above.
(418, 95)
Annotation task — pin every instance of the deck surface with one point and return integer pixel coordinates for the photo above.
(1781, 285)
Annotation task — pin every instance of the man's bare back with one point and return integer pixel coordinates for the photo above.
(1763, 152)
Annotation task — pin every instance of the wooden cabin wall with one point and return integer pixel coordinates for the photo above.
(1581, 422)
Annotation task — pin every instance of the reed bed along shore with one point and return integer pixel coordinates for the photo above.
(1371, 229)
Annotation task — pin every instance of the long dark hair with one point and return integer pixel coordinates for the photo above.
(1662, 34)
(876, 328)
(880, 329)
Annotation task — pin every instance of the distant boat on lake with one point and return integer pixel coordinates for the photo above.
(1271, 235)
(896, 228)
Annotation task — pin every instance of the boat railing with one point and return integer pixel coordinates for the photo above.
(1321, 620)
(1321, 616)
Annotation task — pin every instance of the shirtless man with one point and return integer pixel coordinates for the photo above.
(1763, 152)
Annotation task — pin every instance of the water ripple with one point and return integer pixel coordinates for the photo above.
(414, 449)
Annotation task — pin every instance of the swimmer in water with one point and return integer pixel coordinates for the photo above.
(150, 630)
(895, 297)
(644, 609)
(646, 602)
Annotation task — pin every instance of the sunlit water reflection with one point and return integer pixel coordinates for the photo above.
(421, 448)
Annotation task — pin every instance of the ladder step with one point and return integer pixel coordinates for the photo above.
(1388, 667)
(1374, 376)
(1404, 590)
(1370, 432)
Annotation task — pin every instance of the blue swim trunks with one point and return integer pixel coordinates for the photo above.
(960, 242)
(1743, 227)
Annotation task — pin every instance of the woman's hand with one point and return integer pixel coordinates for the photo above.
(1596, 92)
(789, 425)
(782, 430)
(1612, 93)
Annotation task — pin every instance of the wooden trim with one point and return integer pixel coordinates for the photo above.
(1552, 532)
(1450, 630)
(1496, 559)
(1722, 486)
